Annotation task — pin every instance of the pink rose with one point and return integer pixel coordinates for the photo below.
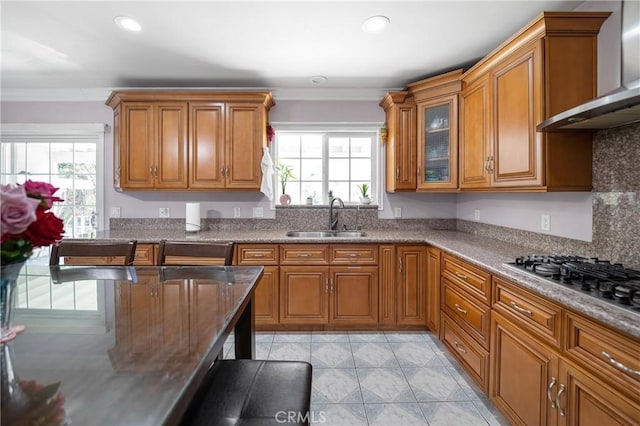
(18, 210)
(42, 190)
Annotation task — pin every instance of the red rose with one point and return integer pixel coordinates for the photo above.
(46, 230)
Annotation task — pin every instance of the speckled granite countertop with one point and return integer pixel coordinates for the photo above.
(481, 251)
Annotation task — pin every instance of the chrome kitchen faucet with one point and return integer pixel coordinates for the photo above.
(333, 219)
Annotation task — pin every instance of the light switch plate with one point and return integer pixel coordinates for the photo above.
(258, 212)
(397, 212)
(164, 212)
(545, 222)
(115, 212)
(476, 214)
(236, 212)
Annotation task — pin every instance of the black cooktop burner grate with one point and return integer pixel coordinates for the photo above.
(599, 278)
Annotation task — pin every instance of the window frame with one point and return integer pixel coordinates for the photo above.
(39, 132)
(335, 130)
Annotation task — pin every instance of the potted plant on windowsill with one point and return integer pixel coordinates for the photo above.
(364, 191)
(284, 173)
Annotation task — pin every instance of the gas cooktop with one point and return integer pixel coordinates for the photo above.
(598, 278)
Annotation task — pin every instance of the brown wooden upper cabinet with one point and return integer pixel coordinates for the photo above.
(174, 140)
(547, 67)
(436, 101)
(400, 148)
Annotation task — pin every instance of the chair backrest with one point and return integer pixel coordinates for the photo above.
(88, 249)
(194, 253)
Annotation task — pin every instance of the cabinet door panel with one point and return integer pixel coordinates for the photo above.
(522, 370)
(518, 108)
(137, 153)
(171, 139)
(388, 277)
(303, 295)
(475, 140)
(266, 297)
(433, 289)
(590, 402)
(411, 292)
(206, 154)
(354, 295)
(245, 130)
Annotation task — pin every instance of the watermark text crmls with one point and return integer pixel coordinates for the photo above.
(285, 417)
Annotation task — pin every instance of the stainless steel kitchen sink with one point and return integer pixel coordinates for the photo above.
(325, 234)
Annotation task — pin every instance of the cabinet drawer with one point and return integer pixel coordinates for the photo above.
(304, 254)
(354, 254)
(473, 280)
(472, 316)
(98, 260)
(473, 357)
(587, 342)
(260, 254)
(540, 317)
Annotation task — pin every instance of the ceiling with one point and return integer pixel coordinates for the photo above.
(75, 47)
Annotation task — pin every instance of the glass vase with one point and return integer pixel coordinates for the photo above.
(8, 291)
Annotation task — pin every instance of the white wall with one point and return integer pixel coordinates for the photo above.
(571, 213)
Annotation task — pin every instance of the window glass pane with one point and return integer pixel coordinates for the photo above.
(62, 297)
(340, 189)
(338, 147)
(293, 189)
(311, 146)
(360, 147)
(37, 158)
(288, 145)
(86, 295)
(313, 189)
(338, 169)
(14, 160)
(62, 158)
(38, 296)
(361, 169)
(311, 170)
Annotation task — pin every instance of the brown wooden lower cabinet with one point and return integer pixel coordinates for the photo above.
(473, 357)
(304, 292)
(267, 297)
(524, 374)
(433, 289)
(588, 401)
(411, 293)
(532, 384)
(328, 295)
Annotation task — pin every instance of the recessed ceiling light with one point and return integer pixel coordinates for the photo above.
(375, 24)
(127, 23)
(319, 79)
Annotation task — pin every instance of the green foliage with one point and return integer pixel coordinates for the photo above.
(364, 190)
(285, 172)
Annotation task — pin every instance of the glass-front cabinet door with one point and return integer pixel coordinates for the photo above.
(438, 144)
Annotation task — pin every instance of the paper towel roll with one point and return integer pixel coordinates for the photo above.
(192, 221)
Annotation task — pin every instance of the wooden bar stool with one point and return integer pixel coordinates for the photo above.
(195, 253)
(93, 249)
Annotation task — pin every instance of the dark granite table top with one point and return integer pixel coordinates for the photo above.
(161, 330)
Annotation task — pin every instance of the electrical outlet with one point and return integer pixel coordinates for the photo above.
(258, 212)
(476, 214)
(115, 212)
(236, 212)
(164, 212)
(397, 212)
(545, 222)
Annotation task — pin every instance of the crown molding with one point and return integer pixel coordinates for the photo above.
(100, 94)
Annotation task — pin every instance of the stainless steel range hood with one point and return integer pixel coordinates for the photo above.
(619, 107)
(614, 110)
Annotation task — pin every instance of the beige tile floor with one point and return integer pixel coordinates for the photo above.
(381, 378)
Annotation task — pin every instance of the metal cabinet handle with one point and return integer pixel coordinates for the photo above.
(515, 306)
(397, 172)
(490, 164)
(549, 390)
(620, 366)
(331, 288)
(258, 255)
(461, 275)
(227, 171)
(486, 165)
(464, 312)
(326, 285)
(304, 254)
(151, 170)
(400, 260)
(560, 392)
(354, 254)
(459, 347)
(222, 171)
